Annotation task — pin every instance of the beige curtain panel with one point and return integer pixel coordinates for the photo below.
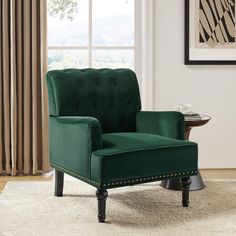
(23, 101)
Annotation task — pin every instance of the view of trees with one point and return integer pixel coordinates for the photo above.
(58, 59)
(68, 26)
(65, 9)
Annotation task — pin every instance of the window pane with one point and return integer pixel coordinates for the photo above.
(113, 22)
(73, 28)
(62, 59)
(113, 58)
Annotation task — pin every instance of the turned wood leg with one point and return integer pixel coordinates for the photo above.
(185, 190)
(101, 196)
(59, 182)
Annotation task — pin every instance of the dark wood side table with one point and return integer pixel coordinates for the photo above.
(197, 182)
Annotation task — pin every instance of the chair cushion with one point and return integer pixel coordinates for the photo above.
(131, 156)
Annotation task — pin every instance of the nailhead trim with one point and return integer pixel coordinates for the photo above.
(157, 177)
(119, 183)
(75, 174)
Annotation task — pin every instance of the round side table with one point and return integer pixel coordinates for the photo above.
(197, 182)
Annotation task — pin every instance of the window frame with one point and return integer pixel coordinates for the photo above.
(144, 49)
(90, 48)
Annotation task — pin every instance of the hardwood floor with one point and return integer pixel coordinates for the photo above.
(206, 174)
(218, 174)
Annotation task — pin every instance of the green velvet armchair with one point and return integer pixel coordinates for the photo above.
(99, 135)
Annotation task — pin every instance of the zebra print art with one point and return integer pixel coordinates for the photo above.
(216, 23)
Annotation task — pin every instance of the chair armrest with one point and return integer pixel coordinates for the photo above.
(72, 140)
(168, 123)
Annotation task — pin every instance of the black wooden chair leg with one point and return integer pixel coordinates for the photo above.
(59, 182)
(102, 197)
(186, 182)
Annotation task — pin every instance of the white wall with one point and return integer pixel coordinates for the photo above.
(210, 89)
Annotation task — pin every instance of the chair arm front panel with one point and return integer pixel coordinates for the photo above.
(72, 140)
(169, 123)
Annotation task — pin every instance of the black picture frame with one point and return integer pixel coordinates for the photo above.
(187, 60)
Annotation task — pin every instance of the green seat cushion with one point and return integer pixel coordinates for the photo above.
(128, 156)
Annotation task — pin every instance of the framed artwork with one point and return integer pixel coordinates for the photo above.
(210, 32)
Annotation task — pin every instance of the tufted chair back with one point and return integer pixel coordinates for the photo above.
(111, 96)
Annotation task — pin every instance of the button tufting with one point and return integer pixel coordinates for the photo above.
(77, 105)
(80, 83)
(114, 81)
(98, 82)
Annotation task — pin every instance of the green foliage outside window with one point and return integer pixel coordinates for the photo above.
(64, 9)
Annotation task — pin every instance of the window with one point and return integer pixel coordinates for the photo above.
(91, 33)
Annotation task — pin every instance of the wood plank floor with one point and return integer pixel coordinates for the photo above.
(206, 174)
(219, 174)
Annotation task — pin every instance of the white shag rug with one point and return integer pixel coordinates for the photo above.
(29, 208)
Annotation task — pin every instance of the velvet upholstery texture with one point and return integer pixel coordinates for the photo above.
(111, 96)
(99, 134)
(135, 156)
(72, 141)
(169, 124)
